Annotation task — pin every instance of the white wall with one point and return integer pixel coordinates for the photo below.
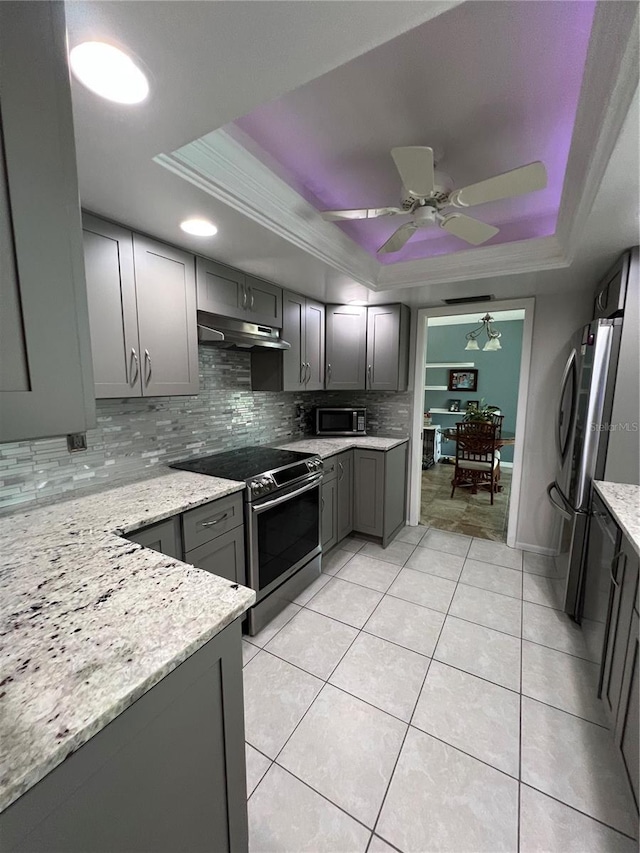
(556, 318)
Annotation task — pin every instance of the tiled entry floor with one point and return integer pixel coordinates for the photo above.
(428, 697)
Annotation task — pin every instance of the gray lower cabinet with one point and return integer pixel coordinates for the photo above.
(344, 496)
(46, 383)
(167, 774)
(142, 313)
(624, 582)
(329, 512)
(223, 556)
(380, 479)
(346, 347)
(229, 292)
(628, 723)
(163, 537)
(213, 538)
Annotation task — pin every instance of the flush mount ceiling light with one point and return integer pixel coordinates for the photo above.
(109, 72)
(486, 326)
(199, 227)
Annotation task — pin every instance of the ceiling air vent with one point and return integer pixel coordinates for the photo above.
(465, 300)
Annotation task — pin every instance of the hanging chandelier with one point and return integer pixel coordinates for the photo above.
(486, 325)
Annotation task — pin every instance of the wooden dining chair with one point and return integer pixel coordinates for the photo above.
(497, 420)
(477, 459)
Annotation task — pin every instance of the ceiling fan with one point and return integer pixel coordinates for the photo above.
(429, 192)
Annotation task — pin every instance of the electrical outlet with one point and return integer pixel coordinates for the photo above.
(76, 441)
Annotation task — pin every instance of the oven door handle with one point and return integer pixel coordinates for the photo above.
(257, 508)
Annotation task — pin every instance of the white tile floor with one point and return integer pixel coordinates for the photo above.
(430, 697)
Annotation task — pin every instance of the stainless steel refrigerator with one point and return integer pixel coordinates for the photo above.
(583, 425)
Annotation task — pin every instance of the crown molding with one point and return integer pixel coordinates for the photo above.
(222, 167)
(218, 164)
(608, 87)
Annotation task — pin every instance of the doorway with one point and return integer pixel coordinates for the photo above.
(451, 378)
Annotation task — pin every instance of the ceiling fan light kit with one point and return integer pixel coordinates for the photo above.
(430, 191)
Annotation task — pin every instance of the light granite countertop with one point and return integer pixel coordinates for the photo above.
(326, 447)
(623, 501)
(91, 621)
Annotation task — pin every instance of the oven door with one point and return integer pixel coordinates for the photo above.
(284, 534)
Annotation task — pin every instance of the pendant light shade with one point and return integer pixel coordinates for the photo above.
(486, 326)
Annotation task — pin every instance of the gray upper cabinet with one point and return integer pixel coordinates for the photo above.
(113, 313)
(303, 328)
(46, 384)
(142, 311)
(300, 368)
(220, 289)
(346, 347)
(387, 347)
(230, 293)
(166, 298)
(263, 302)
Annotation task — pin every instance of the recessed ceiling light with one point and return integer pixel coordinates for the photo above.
(108, 72)
(199, 227)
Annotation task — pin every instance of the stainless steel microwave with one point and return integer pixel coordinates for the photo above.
(341, 421)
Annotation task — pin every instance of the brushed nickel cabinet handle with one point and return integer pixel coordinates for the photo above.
(341, 467)
(133, 361)
(613, 571)
(302, 373)
(252, 299)
(307, 375)
(215, 521)
(243, 304)
(328, 374)
(369, 375)
(147, 360)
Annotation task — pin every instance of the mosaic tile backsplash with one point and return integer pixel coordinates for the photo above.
(134, 435)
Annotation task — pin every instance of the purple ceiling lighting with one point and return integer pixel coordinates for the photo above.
(493, 85)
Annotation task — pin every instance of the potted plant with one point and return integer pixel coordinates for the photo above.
(481, 412)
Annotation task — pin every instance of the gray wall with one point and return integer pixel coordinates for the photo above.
(133, 436)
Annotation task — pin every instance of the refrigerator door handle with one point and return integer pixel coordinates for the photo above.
(564, 509)
(569, 371)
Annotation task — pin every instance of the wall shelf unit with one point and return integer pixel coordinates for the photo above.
(451, 364)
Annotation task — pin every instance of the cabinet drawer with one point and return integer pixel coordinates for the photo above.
(329, 468)
(206, 522)
(223, 556)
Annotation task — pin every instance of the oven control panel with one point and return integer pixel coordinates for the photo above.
(262, 485)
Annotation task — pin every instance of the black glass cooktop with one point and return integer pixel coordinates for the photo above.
(241, 464)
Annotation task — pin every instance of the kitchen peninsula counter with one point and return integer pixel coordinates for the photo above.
(92, 621)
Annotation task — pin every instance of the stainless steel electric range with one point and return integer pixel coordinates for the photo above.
(282, 521)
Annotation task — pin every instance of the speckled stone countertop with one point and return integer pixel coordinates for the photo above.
(623, 501)
(326, 447)
(91, 621)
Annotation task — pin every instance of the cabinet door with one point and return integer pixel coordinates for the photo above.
(221, 290)
(345, 494)
(628, 725)
(293, 360)
(368, 492)
(166, 293)
(163, 537)
(263, 304)
(223, 556)
(113, 316)
(624, 579)
(383, 332)
(314, 345)
(46, 382)
(328, 517)
(346, 347)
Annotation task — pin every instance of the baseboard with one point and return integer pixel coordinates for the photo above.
(537, 549)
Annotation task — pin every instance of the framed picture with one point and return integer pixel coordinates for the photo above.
(473, 404)
(463, 380)
(454, 405)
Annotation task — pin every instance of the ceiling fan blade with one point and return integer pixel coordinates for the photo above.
(398, 238)
(468, 229)
(519, 181)
(360, 213)
(415, 164)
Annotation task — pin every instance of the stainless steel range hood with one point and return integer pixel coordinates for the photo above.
(236, 334)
